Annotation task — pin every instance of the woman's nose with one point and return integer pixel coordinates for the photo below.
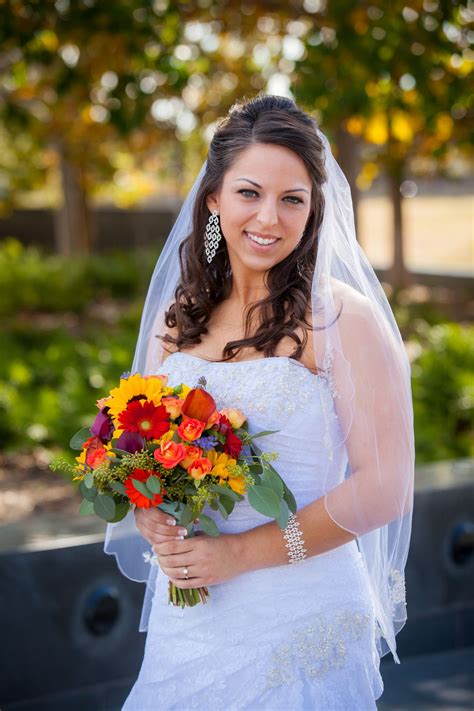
(268, 213)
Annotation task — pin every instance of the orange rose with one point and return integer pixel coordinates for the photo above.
(200, 467)
(172, 405)
(214, 418)
(235, 417)
(192, 453)
(190, 429)
(170, 454)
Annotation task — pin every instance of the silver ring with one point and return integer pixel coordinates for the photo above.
(185, 573)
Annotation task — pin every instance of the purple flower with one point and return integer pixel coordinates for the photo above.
(130, 442)
(103, 426)
(206, 442)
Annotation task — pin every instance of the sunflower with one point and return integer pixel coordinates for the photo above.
(136, 387)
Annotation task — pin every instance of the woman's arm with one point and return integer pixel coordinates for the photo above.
(264, 546)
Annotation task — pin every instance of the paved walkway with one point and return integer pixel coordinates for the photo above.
(434, 682)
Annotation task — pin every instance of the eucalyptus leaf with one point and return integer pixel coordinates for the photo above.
(169, 507)
(88, 494)
(269, 478)
(86, 508)
(186, 516)
(221, 508)
(227, 504)
(142, 488)
(282, 519)
(208, 525)
(264, 500)
(121, 510)
(104, 506)
(153, 483)
(290, 499)
(89, 480)
(224, 491)
(120, 452)
(263, 434)
(80, 437)
(118, 487)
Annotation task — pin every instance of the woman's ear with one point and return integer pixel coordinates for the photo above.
(212, 202)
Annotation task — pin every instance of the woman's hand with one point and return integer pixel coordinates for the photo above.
(208, 560)
(156, 526)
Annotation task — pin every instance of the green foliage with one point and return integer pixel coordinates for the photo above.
(443, 393)
(33, 281)
(51, 377)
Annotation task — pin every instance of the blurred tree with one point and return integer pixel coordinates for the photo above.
(81, 77)
(392, 75)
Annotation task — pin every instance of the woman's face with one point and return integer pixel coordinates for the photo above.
(263, 205)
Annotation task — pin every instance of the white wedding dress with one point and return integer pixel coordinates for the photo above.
(289, 638)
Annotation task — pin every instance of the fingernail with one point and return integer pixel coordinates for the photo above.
(182, 531)
(171, 521)
(179, 538)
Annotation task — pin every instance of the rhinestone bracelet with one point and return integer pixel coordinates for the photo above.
(294, 540)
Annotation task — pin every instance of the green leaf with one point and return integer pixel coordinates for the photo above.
(118, 487)
(269, 478)
(86, 508)
(121, 510)
(227, 504)
(186, 516)
(104, 506)
(264, 500)
(89, 480)
(120, 452)
(221, 508)
(169, 507)
(263, 434)
(208, 525)
(224, 491)
(142, 488)
(88, 494)
(290, 499)
(282, 519)
(79, 438)
(153, 484)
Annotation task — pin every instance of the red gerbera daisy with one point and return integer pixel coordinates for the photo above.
(141, 501)
(150, 420)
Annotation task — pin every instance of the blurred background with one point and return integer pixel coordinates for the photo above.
(106, 112)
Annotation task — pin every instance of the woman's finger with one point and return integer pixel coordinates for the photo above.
(155, 515)
(168, 548)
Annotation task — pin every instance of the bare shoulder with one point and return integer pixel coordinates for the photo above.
(169, 347)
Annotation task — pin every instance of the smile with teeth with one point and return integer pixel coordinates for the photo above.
(261, 240)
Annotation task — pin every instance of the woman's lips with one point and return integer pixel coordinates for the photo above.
(260, 247)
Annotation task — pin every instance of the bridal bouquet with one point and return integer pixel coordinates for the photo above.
(155, 445)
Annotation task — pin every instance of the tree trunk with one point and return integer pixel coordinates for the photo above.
(398, 274)
(348, 157)
(73, 228)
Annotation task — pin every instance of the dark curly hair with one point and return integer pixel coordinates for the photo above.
(270, 120)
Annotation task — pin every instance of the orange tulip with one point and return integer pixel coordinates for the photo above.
(198, 405)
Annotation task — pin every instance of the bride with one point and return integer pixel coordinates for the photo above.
(263, 290)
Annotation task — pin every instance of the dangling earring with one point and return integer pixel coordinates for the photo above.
(299, 261)
(212, 237)
(299, 266)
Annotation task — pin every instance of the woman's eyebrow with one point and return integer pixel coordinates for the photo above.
(294, 190)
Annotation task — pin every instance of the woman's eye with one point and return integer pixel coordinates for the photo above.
(247, 192)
